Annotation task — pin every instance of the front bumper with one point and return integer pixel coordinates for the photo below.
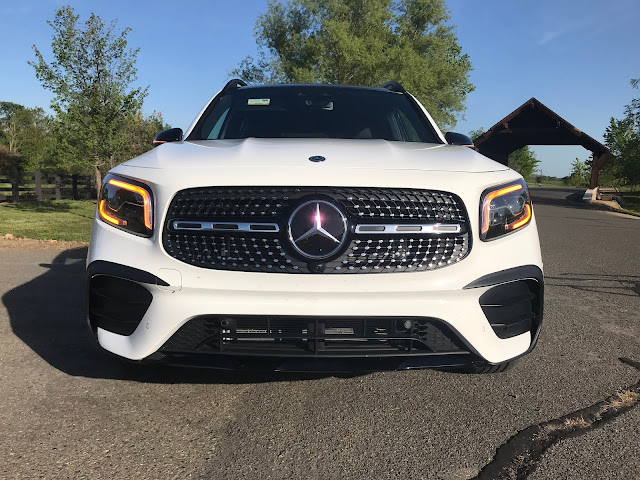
(179, 293)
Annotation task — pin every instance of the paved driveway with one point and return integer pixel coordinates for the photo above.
(67, 412)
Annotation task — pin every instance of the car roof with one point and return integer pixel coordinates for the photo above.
(314, 85)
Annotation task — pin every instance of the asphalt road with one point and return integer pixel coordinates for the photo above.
(67, 412)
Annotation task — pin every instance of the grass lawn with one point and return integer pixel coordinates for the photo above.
(631, 201)
(49, 220)
(548, 184)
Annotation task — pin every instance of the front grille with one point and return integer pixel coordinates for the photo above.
(271, 251)
(277, 202)
(266, 254)
(303, 336)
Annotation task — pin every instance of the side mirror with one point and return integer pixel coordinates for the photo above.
(171, 135)
(458, 139)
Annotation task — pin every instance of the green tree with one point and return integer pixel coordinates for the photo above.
(139, 135)
(623, 139)
(91, 77)
(580, 174)
(524, 161)
(364, 42)
(473, 134)
(24, 137)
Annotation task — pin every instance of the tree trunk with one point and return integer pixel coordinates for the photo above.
(98, 176)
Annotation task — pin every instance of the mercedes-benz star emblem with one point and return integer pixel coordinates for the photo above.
(317, 229)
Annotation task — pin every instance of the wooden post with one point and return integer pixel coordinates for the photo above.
(15, 186)
(91, 191)
(37, 178)
(598, 162)
(74, 186)
(58, 182)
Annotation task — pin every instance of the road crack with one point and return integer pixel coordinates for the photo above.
(518, 457)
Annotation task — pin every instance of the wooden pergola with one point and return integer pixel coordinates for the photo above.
(533, 123)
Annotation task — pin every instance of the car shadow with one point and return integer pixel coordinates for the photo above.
(47, 314)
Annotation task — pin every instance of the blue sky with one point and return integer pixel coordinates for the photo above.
(576, 57)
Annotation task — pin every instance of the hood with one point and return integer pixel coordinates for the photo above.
(295, 152)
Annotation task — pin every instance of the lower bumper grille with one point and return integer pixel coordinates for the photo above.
(314, 336)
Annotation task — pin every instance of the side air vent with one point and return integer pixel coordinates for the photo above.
(117, 305)
(512, 308)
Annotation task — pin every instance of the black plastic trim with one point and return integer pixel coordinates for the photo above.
(204, 334)
(234, 84)
(523, 272)
(509, 275)
(394, 87)
(314, 365)
(102, 267)
(116, 304)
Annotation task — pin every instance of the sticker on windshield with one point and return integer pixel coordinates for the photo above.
(258, 101)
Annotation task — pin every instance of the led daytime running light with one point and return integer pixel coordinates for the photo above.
(487, 203)
(521, 222)
(109, 218)
(146, 198)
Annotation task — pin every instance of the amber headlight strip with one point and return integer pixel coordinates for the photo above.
(504, 209)
(126, 204)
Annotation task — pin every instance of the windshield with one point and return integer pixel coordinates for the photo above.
(314, 112)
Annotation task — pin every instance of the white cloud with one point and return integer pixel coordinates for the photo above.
(548, 37)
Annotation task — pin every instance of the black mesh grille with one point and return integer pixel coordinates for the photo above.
(266, 254)
(272, 252)
(299, 336)
(275, 202)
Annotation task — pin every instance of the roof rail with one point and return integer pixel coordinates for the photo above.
(394, 87)
(234, 84)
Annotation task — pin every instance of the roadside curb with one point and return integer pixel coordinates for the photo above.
(576, 200)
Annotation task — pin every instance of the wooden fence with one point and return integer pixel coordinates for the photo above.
(40, 186)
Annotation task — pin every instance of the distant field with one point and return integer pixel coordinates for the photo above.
(548, 184)
(631, 201)
(48, 220)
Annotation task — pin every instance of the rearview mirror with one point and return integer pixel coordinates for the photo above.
(458, 139)
(171, 135)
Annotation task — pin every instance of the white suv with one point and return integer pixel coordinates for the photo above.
(315, 227)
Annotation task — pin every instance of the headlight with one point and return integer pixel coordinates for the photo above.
(126, 204)
(503, 209)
